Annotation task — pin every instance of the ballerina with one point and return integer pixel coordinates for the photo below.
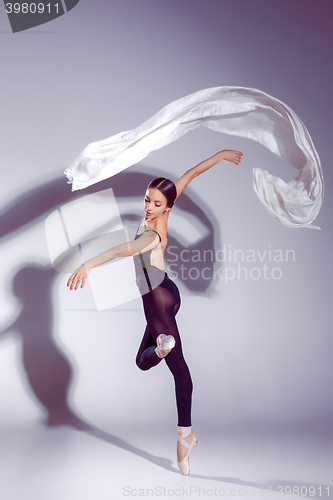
(160, 295)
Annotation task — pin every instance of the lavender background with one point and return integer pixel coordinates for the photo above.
(259, 351)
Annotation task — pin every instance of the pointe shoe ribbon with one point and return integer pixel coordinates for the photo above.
(164, 343)
(184, 465)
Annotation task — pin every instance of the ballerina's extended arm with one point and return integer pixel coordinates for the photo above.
(147, 241)
(226, 154)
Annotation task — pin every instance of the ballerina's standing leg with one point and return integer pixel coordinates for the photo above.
(161, 306)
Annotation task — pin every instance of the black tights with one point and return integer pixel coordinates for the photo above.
(161, 306)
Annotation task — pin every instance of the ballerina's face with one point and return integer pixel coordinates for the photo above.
(155, 203)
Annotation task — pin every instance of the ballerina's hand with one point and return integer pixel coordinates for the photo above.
(79, 275)
(231, 155)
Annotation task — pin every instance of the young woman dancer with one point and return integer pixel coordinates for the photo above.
(160, 295)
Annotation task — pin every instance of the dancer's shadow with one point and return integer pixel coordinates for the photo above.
(49, 374)
(48, 370)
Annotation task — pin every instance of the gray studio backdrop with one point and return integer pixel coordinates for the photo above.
(258, 345)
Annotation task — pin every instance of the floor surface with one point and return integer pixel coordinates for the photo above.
(41, 462)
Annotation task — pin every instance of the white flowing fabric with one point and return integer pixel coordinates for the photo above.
(239, 111)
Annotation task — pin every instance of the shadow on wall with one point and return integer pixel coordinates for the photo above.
(49, 373)
(48, 370)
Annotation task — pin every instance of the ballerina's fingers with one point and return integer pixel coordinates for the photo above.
(81, 278)
(233, 156)
(70, 280)
(238, 157)
(74, 281)
(78, 283)
(84, 277)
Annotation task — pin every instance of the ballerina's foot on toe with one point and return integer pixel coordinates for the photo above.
(164, 345)
(186, 441)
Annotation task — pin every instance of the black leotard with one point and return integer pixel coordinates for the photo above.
(161, 302)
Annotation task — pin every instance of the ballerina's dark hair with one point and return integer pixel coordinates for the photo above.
(166, 187)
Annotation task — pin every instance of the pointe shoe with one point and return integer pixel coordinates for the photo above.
(164, 343)
(184, 465)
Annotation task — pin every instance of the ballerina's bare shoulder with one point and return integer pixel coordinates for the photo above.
(157, 255)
